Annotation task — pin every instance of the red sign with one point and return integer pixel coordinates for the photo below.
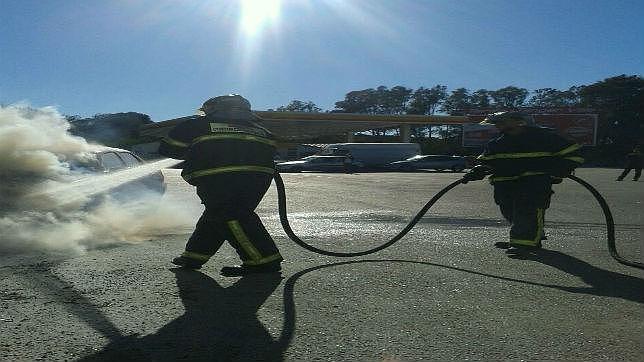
(580, 128)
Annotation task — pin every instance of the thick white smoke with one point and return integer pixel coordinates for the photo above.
(34, 146)
(37, 184)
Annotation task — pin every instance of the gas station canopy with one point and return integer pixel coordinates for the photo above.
(293, 126)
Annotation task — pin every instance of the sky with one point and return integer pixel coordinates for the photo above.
(165, 57)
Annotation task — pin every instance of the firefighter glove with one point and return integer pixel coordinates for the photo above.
(562, 172)
(476, 173)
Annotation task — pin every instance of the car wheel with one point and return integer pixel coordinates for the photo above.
(457, 168)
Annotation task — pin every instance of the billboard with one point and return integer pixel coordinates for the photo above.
(580, 128)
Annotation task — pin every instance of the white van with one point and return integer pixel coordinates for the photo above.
(372, 155)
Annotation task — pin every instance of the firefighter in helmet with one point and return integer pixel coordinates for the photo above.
(229, 159)
(523, 163)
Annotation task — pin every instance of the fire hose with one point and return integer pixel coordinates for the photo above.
(281, 200)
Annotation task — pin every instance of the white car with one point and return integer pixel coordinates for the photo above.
(320, 164)
(115, 172)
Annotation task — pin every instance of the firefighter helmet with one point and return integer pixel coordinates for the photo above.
(522, 119)
(232, 106)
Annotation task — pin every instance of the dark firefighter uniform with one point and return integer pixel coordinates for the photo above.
(524, 166)
(633, 161)
(231, 164)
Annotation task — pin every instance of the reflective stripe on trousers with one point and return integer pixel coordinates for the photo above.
(538, 232)
(255, 257)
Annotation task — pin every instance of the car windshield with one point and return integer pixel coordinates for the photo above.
(111, 161)
(88, 164)
(130, 159)
(104, 161)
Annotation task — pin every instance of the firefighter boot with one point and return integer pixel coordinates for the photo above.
(506, 244)
(242, 270)
(187, 263)
(520, 249)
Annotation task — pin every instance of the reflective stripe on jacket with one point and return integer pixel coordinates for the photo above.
(212, 146)
(535, 152)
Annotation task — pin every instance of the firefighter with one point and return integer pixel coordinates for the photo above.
(633, 161)
(229, 158)
(523, 163)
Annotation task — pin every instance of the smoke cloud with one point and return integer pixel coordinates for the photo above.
(48, 205)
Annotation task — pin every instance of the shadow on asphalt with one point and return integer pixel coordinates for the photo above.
(601, 282)
(604, 283)
(219, 324)
(41, 277)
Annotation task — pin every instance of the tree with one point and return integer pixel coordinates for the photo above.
(552, 98)
(379, 100)
(458, 100)
(620, 103)
(544, 97)
(362, 101)
(73, 118)
(480, 99)
(299, 106)
(112, 129)
(396, 100)
(427, 100)
(509, 97)
(571, 96)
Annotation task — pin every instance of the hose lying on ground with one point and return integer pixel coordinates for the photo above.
(281, 200)
(610, 224)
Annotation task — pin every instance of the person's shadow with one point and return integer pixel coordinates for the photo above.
(601, 282)
(219, 324)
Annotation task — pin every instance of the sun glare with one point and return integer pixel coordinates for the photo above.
(256, 14)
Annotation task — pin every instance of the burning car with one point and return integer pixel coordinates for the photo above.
(112, 172)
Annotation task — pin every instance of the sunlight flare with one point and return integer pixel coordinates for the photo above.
(257, 14)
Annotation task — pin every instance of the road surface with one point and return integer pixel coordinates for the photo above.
(442, 293)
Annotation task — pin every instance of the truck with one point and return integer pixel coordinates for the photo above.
(372, 155)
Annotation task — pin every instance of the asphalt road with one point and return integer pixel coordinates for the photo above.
(442, 293)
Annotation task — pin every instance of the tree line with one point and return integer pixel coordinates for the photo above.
(618, 100)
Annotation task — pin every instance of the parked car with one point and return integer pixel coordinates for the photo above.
(319, 163)
(430, 162)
